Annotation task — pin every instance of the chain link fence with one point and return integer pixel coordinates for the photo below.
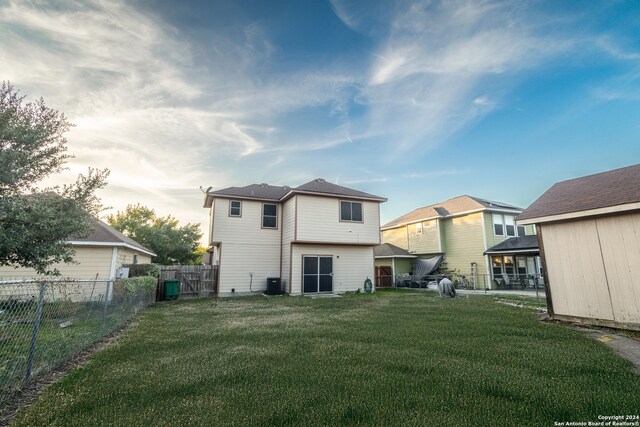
(43, 324)
(511, 282)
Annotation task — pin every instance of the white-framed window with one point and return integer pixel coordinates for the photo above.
(498, 224)
(510, 225)
(504, 225)
(235, 208)
(418, 228)
(350, 211)
(269, 215)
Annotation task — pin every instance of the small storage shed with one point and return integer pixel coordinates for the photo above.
(589, 237)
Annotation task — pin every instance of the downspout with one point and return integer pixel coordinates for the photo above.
(112, 274)
(393, 271)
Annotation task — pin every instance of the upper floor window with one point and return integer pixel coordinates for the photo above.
(235, 208)
(498, 225)
(419, 228)
(269, 215)
(510, 225)
(521, 231)
(504, 225)
(351, 211)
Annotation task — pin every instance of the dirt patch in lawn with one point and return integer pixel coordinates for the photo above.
(22, 399)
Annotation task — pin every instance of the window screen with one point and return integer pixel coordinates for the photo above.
(498, 225)
(235, 208)
(351, 211)
(269, 215)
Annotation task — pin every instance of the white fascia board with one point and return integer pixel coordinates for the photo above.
(412, 222)
(334, 196)
(582, 214)
(110, 244)
(503, 210)
(396, 256)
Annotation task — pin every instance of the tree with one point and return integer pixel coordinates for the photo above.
(35, 224)
(172, 243)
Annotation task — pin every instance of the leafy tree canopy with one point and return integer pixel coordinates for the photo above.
(172, 243)
(36, 223)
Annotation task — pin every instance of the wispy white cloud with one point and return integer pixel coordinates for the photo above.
(146, 107)
(435, 72)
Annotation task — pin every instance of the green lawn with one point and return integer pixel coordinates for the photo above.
(398, 358)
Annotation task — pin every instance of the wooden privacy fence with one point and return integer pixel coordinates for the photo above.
(196, 281)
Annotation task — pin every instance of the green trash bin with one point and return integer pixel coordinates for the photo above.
(171, 289)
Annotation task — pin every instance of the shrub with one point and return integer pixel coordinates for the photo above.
(137, 270)
(134, 287)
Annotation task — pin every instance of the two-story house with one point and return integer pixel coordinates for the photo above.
(317, 237)
(462, 229)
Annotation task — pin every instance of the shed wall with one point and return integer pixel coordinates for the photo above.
(594, 267)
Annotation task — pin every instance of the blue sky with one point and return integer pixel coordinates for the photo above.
(414, 101)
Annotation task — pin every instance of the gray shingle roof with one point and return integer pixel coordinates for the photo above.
(279, 193)
(602, 190)
(255, 191)
(104, 233)
(515, 244)
(387, 250)
(319, 185)
(447, 208)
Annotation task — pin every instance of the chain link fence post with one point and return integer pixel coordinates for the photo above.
(106, 303)
(34, 333)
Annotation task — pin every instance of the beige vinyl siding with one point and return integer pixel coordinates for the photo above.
(463, 242)
(288, 231)
(318, 220)
(593, 267)
(211, 222)
(352, 265)
(125, 256)
(427, 242)
(396, 237)
(91, 260)
(237, 261)
(246, 247)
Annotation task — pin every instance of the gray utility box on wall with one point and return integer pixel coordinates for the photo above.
(273, 286)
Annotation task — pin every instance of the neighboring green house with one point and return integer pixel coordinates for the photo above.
(461, 229)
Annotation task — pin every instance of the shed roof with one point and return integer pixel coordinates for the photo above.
(451, 207)
(387, 250)
(281, 193)
(102, 232)
(612, 188)
(515, 244)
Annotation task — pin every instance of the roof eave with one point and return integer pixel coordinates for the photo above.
(111, 244)
(395, 256)
(232, 197)
(337, 196)
(628, 207)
